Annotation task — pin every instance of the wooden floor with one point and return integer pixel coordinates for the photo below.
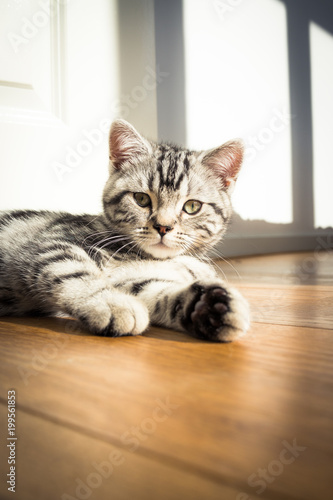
(167, 417)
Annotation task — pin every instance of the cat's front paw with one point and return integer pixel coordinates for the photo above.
(216, 313)
(115, 314)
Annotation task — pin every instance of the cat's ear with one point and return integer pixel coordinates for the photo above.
(125, 144)
(226, 162)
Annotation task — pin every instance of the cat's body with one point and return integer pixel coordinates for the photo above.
(142, 260)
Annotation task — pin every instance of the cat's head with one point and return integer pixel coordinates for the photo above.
(168, 200)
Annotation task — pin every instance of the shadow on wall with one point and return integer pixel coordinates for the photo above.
(246, 237)
(164, 20)
(301, 233)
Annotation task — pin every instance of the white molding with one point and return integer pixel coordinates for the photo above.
(28, 117)
(20, 103)
(58, 42)
(18, 85)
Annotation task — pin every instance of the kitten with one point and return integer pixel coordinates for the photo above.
(143, 259)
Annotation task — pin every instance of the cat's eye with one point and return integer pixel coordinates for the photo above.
(142, 199)
(192, 207)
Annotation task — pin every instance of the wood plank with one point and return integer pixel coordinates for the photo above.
(300, 268)
(308, 306)
(237, 404)
(56, 462)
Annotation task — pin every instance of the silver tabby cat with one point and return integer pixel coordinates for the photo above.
(142, 261)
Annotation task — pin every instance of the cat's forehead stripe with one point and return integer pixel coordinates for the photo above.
(172, 166)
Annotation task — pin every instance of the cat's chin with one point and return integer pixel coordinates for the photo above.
(161, 251)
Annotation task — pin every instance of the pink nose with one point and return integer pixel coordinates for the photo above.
(162, 230)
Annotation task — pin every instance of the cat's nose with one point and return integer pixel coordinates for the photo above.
(162, 230)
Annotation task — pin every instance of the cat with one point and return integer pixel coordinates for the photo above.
(143, 260)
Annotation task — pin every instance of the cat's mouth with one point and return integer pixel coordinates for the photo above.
(161, 250)
(160, 244)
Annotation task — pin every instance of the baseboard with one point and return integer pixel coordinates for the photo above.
(239, 246)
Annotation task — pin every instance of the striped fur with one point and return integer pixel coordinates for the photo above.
(132, 265)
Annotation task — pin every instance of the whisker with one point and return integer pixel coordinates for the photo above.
(111, 239)
(119, 249)
(220, 256)
(196, 241)
(93, 220)
(98, 233)
(114, 241)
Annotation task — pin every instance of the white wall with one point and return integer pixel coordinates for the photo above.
(237, 85)
(60, 88)
(322, 113)
(262, 70)
(68, 54)
(197, 73)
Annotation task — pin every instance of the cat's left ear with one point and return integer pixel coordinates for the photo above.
(226, 162)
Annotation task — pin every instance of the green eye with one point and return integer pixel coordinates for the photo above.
(192, 207)
(142, 199)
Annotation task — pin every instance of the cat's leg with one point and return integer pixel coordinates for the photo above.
(67, 280)
(205, 309)
(199, 303)
(101, 308)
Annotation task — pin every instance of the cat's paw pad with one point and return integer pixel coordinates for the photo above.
(217, 313)
(210, 308)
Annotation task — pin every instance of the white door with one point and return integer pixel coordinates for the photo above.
(58, 86)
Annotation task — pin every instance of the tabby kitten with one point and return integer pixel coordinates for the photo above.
(143, 259)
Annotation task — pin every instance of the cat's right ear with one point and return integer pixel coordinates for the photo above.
(125, 144)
